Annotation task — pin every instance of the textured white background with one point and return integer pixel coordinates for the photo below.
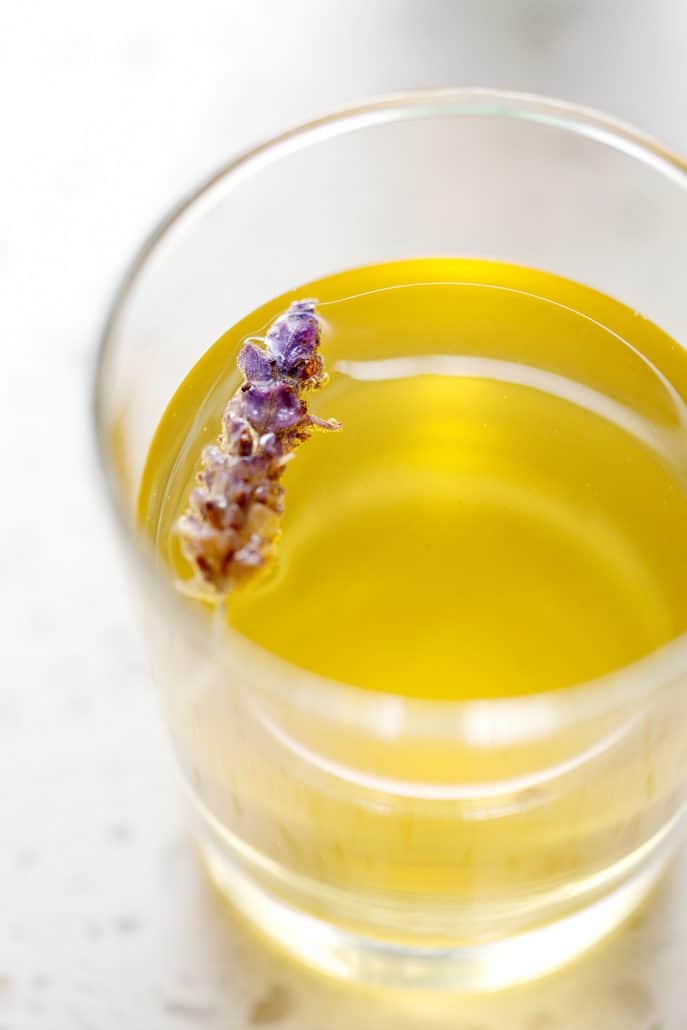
(108, 111)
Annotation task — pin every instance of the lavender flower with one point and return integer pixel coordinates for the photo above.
(232, 521)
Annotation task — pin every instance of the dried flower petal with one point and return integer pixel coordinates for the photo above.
(293, 343)
(232, 521)
(255, 364)
(273, 408)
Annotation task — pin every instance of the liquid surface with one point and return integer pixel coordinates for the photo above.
(504, 511)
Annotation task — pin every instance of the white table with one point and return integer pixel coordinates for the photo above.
(109, 110)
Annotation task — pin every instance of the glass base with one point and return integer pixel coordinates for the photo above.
(484, 966)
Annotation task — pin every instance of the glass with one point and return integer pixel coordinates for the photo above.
(399, 841)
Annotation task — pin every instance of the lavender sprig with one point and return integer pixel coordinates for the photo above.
(232, 521)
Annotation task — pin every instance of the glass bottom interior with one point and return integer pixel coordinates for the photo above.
(467, 966)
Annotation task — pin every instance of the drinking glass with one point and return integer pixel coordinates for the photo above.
(395, 840)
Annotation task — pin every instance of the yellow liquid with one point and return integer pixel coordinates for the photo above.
(504, 511)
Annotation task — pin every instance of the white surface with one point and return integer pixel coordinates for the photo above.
(108, 112)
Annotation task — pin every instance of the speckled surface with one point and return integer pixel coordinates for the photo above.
(109, 111)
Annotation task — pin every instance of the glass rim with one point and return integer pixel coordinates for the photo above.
(480, 722)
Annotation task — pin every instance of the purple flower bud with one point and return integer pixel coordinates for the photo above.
(273, 408)
(238, 434)
(303, 307)
(292, 342)
(255, 364)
